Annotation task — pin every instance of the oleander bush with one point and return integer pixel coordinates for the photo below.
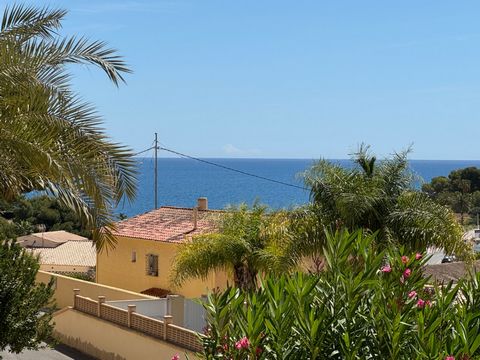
(366, 304)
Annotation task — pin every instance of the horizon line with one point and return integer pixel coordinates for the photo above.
(279, 158)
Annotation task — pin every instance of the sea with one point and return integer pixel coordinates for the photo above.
(181, 181)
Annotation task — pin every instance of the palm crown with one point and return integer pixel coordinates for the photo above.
(381, 197)
(237, 247)
(49, 139)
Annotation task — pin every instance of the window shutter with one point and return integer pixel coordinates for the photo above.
(151, 264)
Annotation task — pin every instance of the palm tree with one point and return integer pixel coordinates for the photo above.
(381, 197)
(239, 246)
(49, 139)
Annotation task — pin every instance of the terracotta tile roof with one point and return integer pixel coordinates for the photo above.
(169, 224)
(157, 292)
(79, 253)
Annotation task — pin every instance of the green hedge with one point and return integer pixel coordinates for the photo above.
(364, 305)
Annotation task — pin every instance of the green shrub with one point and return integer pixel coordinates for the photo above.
(365, 305)
(89, 276)
(25, 306)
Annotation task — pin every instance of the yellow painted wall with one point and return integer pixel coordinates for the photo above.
(116, 268)
(65, 285)
(107, 341)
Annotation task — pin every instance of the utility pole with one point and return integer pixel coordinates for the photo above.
(156, 171)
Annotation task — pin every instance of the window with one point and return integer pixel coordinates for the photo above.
(134, 256)
(151, 263)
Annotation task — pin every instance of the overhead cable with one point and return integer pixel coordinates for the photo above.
(234, 170)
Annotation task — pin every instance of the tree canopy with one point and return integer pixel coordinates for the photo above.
(460, 191)
(50, 139)
(25, 307)
(238, 246)
(27, 215)
(379, 196)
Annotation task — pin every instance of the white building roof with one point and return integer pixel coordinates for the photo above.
(75, 253)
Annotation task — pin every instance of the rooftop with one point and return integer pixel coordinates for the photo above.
(56, 237)
(78, 253)
(168, 224)
(444, 273)
(473, 234)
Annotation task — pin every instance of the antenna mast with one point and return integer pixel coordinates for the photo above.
(156, 171)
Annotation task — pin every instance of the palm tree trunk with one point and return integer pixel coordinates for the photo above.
(244, 277)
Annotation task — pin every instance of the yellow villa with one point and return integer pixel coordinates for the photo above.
(146, 246)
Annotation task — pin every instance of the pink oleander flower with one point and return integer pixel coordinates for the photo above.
(176, 357)
(386, 269)
(407, 273)
(418, 256)
(450, 357)
(420, 303)
(412, 294)
(428, 303)
(404, 259)
(430, 290)
(243, 343)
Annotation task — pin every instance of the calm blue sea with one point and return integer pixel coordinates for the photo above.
(182, 181)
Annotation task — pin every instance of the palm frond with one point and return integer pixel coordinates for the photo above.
(24, 22)
(49, 139)
(382, 199)
(206, 253)
(418, 222)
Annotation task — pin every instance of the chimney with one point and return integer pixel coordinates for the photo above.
(202, 203)
(195, 217)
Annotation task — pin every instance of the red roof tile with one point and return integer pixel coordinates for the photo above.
(169, 224)
(157, 292)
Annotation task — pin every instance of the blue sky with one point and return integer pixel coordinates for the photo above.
(288, 79)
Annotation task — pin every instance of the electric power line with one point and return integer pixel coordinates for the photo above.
(144, 151)
(232, 169)
(224, 167)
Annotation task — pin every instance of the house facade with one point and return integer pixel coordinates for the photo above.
(146, 247)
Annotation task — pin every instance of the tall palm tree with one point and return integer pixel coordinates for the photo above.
(238, 247)
(49, 139)
(380, 196)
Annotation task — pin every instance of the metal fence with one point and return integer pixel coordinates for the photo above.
(194, 315)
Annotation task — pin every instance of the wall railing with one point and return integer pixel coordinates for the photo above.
(163, 330)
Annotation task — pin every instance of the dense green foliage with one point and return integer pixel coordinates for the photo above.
(49, 139)
(380, 197)
(24, 305)
(8, 230)
(238, 247)
(26, 214)
(364, 305)
(460, 191)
